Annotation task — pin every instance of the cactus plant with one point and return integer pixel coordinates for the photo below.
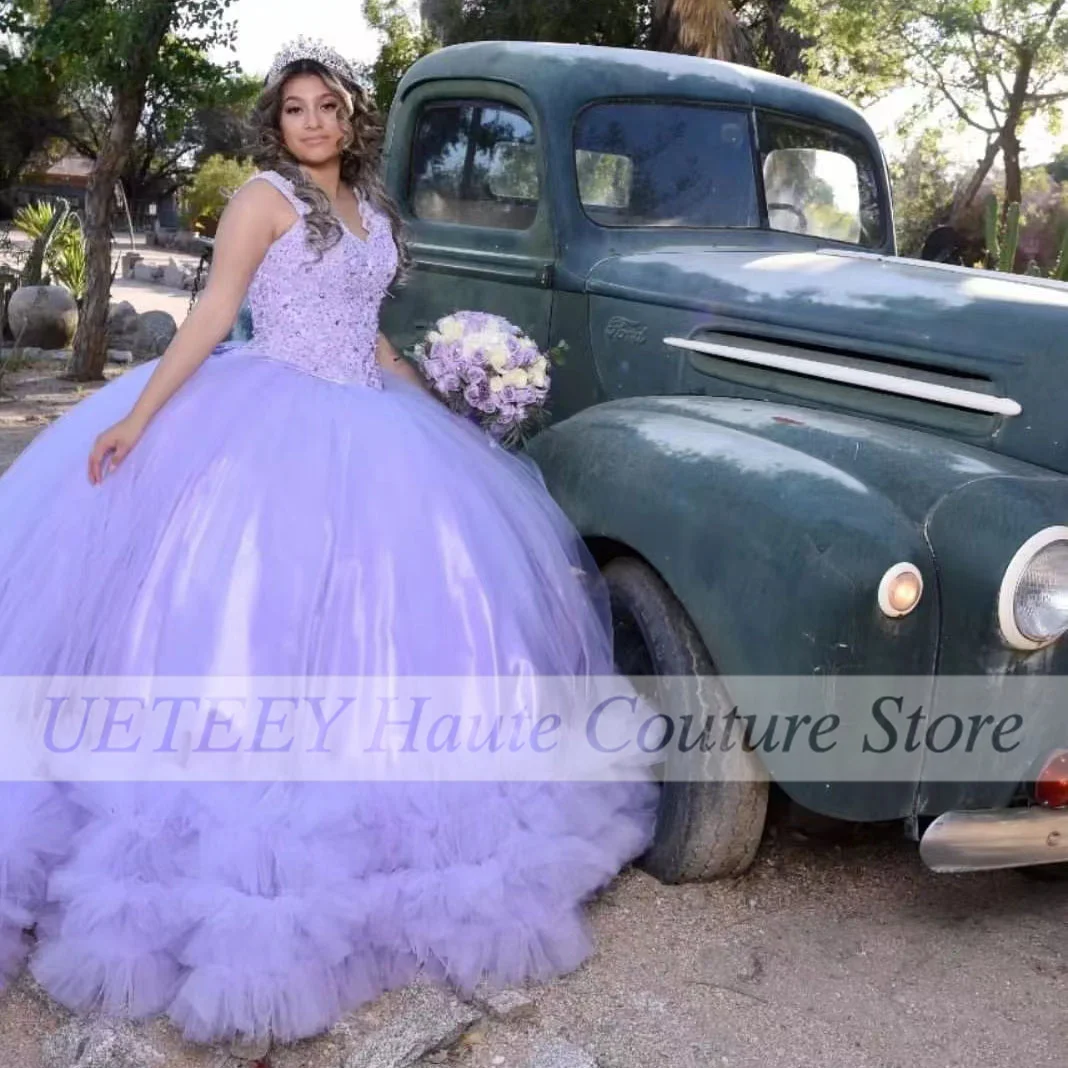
(1060, 268)
(1002, 239)
(991, 231)
(1003, 242)
(1010, 239)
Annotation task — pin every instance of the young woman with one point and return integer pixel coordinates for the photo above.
(296, 505)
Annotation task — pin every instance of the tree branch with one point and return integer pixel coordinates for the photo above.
(957, 107)
(1041, 99)
(994, 35)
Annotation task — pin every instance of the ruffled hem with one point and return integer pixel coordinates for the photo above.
(270, 523)
(237, 926)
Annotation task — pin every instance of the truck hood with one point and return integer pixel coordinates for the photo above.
(999, 334)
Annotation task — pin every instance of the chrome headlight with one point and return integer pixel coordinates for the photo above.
(1033, 602)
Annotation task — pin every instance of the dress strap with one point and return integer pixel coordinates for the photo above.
(285, 187)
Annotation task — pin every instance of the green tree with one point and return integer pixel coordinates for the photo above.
(119, 46)
(623, 23)
(221, 123)
(1057, 168)
(924, 189)
(403, 43)
(193, 108)
(214, 183)
(30, 89)
(996, 64)
(756, 32)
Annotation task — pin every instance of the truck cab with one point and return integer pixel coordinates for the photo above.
(792, 453)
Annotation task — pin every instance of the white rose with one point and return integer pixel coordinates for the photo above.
(537, 379)
(434, 337)
(451, 329)
(518, 377)
(499, 357)
(540, 365)
(482, 340)
(496, 384)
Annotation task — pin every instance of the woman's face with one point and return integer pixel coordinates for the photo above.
(310, 120)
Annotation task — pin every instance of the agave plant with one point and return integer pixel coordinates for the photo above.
(35, 219)
(70, 259)
(58, 244)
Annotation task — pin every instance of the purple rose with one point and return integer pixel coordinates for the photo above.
(474, 396)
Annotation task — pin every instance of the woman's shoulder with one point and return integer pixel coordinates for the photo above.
(263, 189)
(261, 180)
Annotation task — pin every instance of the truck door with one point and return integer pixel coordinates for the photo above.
(465, 163)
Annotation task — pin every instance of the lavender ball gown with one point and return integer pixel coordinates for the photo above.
(290, 512)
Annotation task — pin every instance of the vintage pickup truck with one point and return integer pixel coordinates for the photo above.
(791, 452)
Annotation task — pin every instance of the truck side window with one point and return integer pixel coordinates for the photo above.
(666, 164)
(475, 163)
(819, 182)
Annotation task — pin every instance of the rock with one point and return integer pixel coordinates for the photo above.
(24, 353)
(120, 356)
(556, 1053)
(323, 1051)
(174, 276)
(253, 1049)
(145, 272)
(42, 317)
(94, 1043)
(122, 326)
(129, 261)
(155, 329)
(395, 1031)
(419, 1019)
(505, 1004)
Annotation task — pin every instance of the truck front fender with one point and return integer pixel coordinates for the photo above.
(775, 554)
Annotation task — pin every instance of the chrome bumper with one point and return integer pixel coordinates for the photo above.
(1003, 838)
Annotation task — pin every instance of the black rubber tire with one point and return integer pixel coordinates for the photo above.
(1046, 873)
(710, 827)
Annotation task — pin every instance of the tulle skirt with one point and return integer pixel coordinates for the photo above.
(272, 523)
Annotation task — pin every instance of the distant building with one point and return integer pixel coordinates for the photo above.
(67, 177)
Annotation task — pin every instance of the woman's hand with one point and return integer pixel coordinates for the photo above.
(389, 359)
(114, 443)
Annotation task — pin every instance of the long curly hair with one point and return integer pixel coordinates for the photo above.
(361, 156)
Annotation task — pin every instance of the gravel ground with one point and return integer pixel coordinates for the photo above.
(840, 952)
(847, 955)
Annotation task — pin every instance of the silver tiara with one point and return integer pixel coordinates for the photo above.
(320, 52)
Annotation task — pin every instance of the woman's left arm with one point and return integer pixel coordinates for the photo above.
(391, 360)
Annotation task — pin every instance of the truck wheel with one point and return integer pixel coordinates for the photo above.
(1046, 873)
(709, 827)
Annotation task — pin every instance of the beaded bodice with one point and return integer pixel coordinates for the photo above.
(320, 314)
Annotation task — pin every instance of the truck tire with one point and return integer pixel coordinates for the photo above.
(709, 827)
(1046, 873)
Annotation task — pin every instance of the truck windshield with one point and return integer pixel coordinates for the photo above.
(820, 182)
(666, 164)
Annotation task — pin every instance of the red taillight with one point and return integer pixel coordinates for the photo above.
(1051, 784)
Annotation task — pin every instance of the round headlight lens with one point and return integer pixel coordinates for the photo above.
(1041, 602)
(1034, 597)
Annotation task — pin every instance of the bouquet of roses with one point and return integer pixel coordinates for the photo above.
(487, 369)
